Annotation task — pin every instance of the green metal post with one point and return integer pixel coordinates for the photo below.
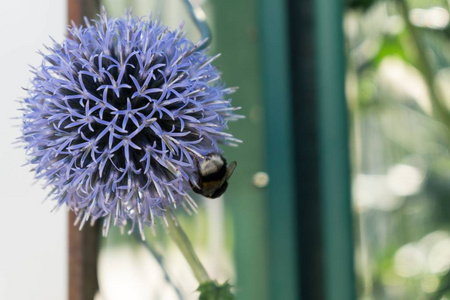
(283, 264)
(235, 35)
(333, 145)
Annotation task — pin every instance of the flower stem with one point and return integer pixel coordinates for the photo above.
(180, 238)
(199, 18)
(439, 109)
(160, 262)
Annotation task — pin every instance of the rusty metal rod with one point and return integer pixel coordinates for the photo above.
(84, 244)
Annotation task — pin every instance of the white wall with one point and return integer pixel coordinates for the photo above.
(33, 250)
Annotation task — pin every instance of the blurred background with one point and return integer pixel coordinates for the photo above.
(33, 251)
(341, 190)
(398, 96)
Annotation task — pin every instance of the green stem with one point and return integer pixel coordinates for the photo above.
(199, 18)
(160, 262)
(180, 238)
(439, 108)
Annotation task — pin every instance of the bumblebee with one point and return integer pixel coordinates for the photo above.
(213, 174)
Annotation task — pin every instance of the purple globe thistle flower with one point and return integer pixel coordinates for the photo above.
(117, 116)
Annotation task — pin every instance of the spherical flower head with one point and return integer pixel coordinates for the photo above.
(117, 116)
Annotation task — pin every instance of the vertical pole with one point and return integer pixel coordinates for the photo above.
(83, 251)
(306, 148)
(78, 9)
(83, 245)
(275, 63)
(333, 150)
(235, 31)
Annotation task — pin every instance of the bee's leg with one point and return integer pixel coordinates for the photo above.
(195, 187)
(219, 192)
(197, 163)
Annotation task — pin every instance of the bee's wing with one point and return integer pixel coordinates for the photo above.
(230, 169)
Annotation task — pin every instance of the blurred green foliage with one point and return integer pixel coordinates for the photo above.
(398, 89)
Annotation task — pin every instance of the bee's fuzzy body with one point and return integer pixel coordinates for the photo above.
(213, 174)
